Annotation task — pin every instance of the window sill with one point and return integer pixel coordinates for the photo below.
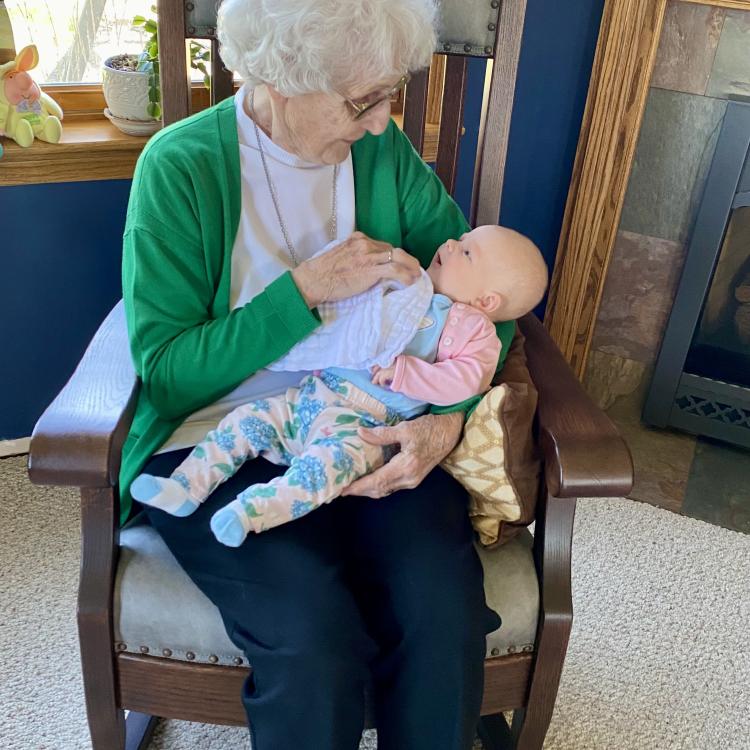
(94, 149)
(89, 150)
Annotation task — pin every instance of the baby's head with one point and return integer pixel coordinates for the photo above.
(494, 269)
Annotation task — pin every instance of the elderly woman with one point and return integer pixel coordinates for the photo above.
(226, 211)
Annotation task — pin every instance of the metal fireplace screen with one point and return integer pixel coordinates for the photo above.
(701, 382)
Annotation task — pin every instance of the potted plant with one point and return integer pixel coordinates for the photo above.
(132, 86)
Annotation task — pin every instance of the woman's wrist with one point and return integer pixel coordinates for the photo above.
(301, 279)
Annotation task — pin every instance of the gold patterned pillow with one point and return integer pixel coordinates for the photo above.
(496, 460)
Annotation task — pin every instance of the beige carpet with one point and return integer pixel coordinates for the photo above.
(658, 659)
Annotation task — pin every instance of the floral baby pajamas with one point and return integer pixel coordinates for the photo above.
(312, 429)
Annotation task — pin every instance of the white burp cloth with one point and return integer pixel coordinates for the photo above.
(371, 328)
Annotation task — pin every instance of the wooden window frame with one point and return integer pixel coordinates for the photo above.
(93, 149)
(620, 80)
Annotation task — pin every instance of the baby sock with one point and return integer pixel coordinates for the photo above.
(230, 524)
(165, 493)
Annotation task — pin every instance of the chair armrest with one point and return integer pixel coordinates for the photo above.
(78, 440)
(584, 455)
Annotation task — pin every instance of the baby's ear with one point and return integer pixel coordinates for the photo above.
(491, 304)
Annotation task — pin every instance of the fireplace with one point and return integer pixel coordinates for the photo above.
(701, 382)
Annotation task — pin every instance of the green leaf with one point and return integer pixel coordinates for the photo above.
(207, 81)
(138, 20)
(346, 419)
(150, 26)
(198, 452)
(226, 468)
(261, 491)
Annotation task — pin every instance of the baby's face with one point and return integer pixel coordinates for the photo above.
(494, 269)
(465, 269)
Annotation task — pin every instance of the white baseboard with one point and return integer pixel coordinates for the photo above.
(14, 447)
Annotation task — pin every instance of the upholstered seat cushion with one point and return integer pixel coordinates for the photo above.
(160, 611)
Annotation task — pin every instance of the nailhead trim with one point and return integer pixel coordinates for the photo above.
(190, 656)
(144, 649)
(237, 660)
(213, 658)
(167, 651)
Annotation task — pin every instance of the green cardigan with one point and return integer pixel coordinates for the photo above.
(188, 348)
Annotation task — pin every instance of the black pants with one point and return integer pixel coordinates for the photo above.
(389, 591)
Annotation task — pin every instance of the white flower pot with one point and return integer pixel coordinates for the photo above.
(126, 94)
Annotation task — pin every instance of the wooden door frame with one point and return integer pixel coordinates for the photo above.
(620, 80)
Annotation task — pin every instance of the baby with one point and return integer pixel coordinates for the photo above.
(490, 274)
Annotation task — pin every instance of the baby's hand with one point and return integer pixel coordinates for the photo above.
(383, 375)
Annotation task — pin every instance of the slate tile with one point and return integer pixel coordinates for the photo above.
(718, 489)
(731, 69)
(676, 145)
(638, 296)
(689, 39)
(661, 458)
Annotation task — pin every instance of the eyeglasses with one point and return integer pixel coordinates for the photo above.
(361, 108)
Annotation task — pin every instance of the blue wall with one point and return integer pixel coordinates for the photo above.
(61, 253)
(61, 245)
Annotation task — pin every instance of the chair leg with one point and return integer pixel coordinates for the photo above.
(95, 618)
(552, 544)
(495, 733)
(139, 728)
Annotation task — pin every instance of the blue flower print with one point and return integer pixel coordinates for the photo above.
(261, 434)
(306, 412)
(301, 508)
(334, 382)
(307, 472)
(307, 388)
(262, 405)
(225, 440)
(285, 456)
(181, 479)
(343, 462)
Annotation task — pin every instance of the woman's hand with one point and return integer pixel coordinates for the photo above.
(424, 442)
(352, 267)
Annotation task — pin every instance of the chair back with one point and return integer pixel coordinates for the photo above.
(489, 29)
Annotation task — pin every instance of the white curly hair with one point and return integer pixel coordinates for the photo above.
(320, 46)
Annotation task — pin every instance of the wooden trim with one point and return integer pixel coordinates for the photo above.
(85, 101)
(94, 149)
(435, 88)
(735, 4)
(415, 108)
(211, 693)
(89, 150)
(497, 107)
(173, 56)
(451, 120)
(620, 79)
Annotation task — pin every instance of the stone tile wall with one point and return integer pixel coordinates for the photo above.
(703, 58)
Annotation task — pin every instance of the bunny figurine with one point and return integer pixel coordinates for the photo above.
(25, 110)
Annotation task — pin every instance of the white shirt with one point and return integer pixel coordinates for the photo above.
(260, 254)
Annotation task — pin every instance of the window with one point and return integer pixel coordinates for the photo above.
(74, 37)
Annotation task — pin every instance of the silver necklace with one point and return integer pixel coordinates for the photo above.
(332, 222)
